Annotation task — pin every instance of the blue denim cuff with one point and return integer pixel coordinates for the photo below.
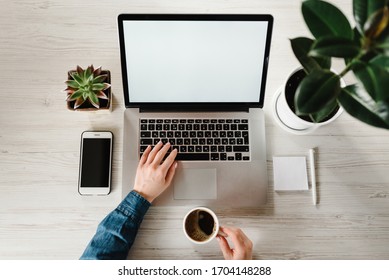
(134, 206)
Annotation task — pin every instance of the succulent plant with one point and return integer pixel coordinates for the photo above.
(86, 85)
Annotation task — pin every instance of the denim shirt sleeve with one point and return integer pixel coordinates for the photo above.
(116, 233)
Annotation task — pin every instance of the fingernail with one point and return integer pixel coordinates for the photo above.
(175, 165)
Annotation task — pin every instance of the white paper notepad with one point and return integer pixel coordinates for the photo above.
(290, 174)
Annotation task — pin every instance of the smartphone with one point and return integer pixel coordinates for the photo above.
(95, 163)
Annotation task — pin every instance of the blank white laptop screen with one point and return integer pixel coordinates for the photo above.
(194, 61)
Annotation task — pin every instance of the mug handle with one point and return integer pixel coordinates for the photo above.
(221, 233)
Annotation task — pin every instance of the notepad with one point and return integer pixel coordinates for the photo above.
(290, 173)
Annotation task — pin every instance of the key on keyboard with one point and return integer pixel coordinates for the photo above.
(199, 139)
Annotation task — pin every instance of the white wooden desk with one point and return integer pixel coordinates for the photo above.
(43, 217)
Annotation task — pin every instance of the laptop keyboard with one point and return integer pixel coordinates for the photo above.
(199, 139)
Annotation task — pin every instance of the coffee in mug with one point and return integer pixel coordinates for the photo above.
(201, 225)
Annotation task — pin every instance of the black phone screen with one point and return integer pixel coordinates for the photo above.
(95, 166)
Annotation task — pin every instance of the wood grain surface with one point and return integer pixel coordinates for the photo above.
(43, 217)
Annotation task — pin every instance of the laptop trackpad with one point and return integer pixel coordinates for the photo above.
(195, 184)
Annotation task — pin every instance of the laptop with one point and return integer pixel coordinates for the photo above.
(198, 81)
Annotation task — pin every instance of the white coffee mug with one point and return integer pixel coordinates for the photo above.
(201, 225)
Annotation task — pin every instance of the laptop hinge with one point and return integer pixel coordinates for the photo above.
(160, 109)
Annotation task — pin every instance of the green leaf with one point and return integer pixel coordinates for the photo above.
(317, 90)
(98, 87)
(357, 41)
(363, 9)
(77, 94)
(77, 78)
(100, 79)
(94, 100)
(360, 105)
(359, 12)
(357, 37)
(383, 42)
(301, 47)
(325, 19)
(88, 74)
(72, 84)
(381, 61)
(377, 23)
(325, 112)
(334, 47)
(375, 80)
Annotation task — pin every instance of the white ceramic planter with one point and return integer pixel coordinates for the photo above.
(288, 120)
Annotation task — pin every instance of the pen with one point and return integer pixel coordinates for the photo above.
(313, 175)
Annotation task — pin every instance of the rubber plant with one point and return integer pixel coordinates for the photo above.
(87, 85)
(365, 50)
